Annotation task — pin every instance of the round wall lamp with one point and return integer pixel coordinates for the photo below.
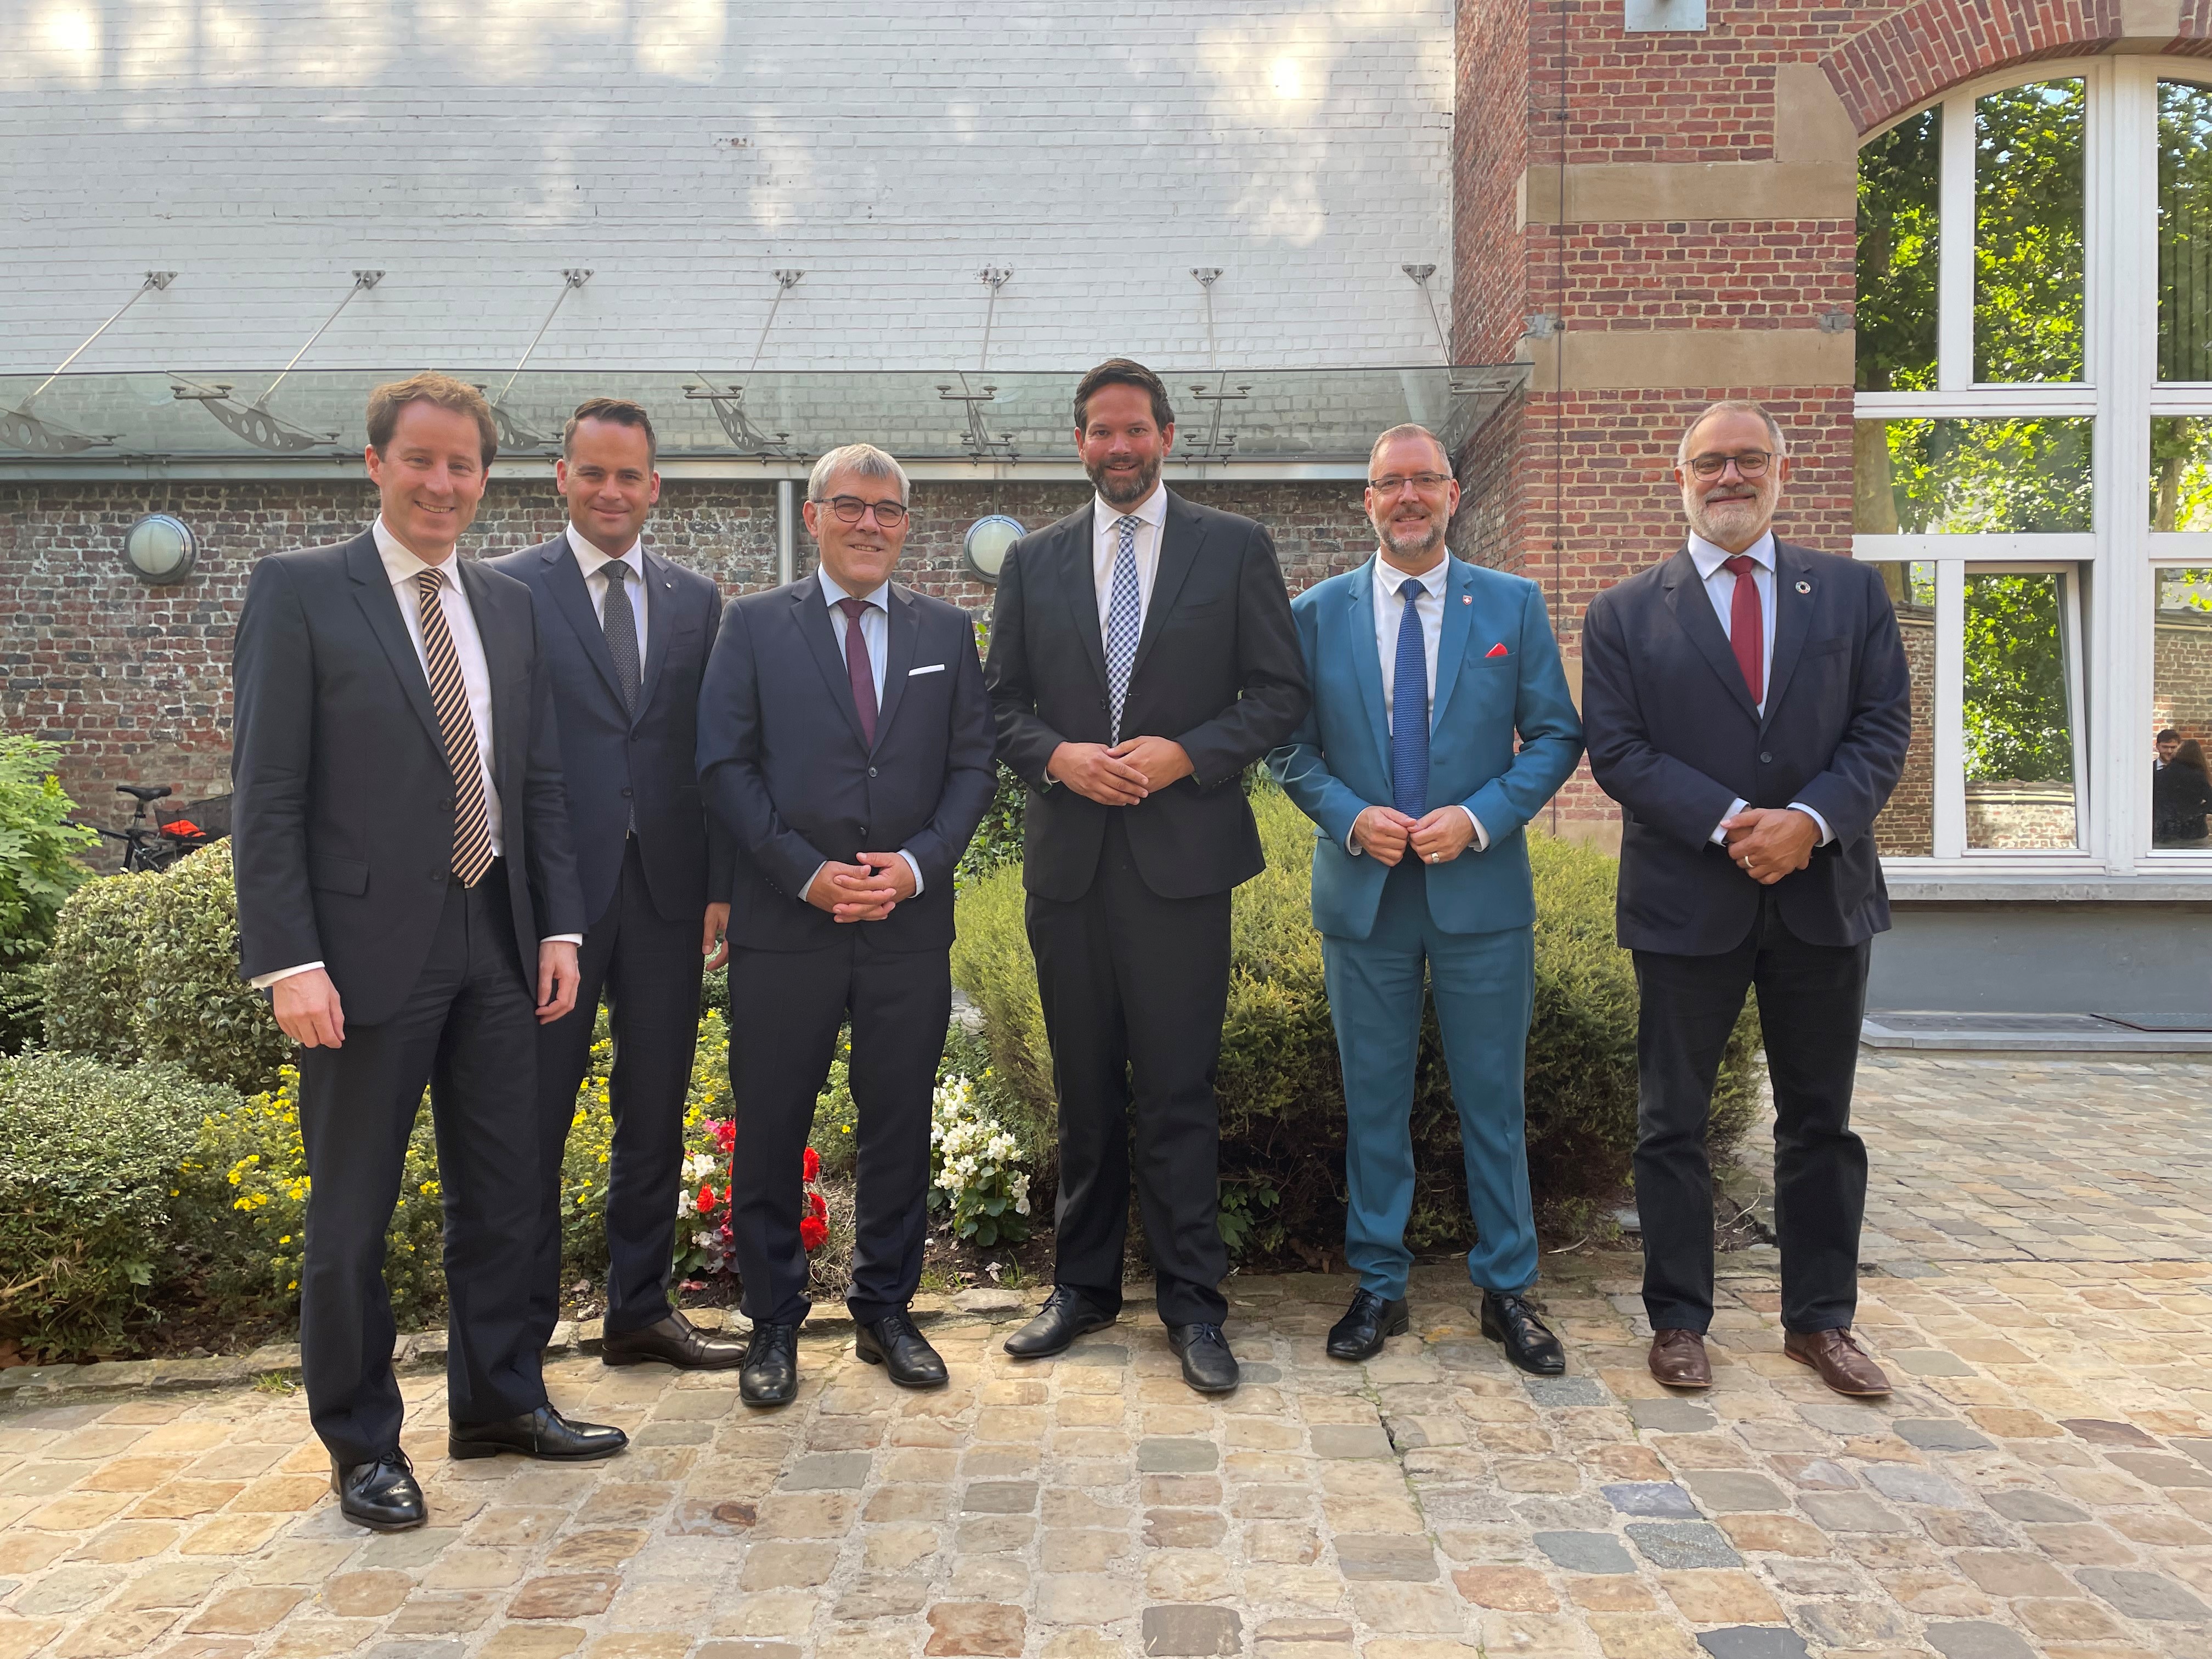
(988, 538)
(160, 549)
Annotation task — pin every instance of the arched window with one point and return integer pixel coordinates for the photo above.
(2032, 459)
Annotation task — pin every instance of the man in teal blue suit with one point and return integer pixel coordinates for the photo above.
(1423, 670)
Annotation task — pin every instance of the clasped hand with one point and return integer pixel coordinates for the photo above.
(1121, 775)
(1384, 834)
(1768, 842)
(866, 891)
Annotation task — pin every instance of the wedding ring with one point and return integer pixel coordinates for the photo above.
(1433, 857)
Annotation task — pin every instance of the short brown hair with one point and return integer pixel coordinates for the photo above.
(385, 402)
(615, 411)
(1123, 371)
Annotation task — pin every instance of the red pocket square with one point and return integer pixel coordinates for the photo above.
(1498, 650)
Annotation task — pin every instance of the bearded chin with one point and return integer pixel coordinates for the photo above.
(1407, 545)
(1104, 481)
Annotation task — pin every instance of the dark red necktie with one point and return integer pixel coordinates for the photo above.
(1747, 625)
(857, 668)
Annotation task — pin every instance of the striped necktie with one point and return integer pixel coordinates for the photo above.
(1124, 620)
(449, 696)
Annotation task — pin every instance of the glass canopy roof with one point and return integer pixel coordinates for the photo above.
(1285, 416)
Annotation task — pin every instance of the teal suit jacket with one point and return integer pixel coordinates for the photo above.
(1337, 763)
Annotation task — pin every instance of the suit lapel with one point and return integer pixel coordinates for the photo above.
(1083, 595)
(901, 633)
(1180, 538)
(1367, 656)
(659, 621)
(510, 720)
(564, 579)
(814, 627)
(1693, 610)
(380, 606)
(1793, 614)
(1451, 643)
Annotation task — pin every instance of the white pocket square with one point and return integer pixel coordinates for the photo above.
(934, 668)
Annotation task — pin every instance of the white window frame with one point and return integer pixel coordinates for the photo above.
(2113, 562)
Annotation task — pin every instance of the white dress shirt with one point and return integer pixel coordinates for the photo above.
(1389, 616)
(1720, 588)
(1151, 516)
(876, 635)
(591, 562)
(402, 567)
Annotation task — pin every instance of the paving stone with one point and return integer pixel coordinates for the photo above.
(1682, 1544)
(1586, 1551)
(1518, 1590)
(845, 1471)
(1735, 1491)
(1001, 1497)
(1168, 1456)
(2026, 1504)
(1671, 1416)
(1939, 1434)
(1191, 1629)
(2144, 1594)
(1651, 1497)
(1095, 1353)
(1975, 1639)
(1406, 1557)
(975, 1627)
(565, 1596)
(1341, 1440)
(881, 1595)
(1184, 1529)
(1557, 1391)
(1752, 1642)
(2099, 1432)
(1908, 1483)
(1851, 1511)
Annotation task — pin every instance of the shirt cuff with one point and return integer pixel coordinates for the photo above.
(1481, 835)
(916, 868)
(263, 982)
(1719, 836)
(1350, 844)
(1826, 834)
(576, 939)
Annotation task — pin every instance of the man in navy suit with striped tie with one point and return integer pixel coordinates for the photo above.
(1424, 670)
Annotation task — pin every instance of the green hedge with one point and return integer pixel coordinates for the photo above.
(1281, 1089)
(38, 866)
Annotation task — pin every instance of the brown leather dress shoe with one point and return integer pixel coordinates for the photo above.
(1677, 1359)
(1842, 1365)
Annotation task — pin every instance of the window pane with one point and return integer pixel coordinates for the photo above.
(2181, 702)
(2180, 473)
(2184, 231)
(1972, 476)
(2028, 217)
(2018, 718)
(1898, 182)
(1906, 827)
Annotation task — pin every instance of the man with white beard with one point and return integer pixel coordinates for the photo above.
(1747, 703)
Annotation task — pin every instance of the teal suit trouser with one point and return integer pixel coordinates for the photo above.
(1485, 986)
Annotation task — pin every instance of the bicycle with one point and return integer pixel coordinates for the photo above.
(157, 844)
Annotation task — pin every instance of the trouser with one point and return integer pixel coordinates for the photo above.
(1484, 986)
(1134, 987)
(785, 1007)
(468, 1029)
(1812, 999)
(649, 969)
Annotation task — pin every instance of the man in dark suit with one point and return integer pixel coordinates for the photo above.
(840, 715)
(626, 635)
(1142, 656)
(1747, 704)
(407, 894)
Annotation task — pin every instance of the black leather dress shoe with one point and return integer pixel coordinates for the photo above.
(380, 1495)
(543, 1434)
(675, 1341)
(1207, 1365)
(1360, 1334)
(1065, 1315)
(893, 1343)
(1508, 1319)
(770, 1374)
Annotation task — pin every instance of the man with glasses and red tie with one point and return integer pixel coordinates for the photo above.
(1747, 703)
(845, 748)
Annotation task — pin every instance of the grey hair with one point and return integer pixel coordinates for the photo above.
(1410, 429)
(1732, 406)
(864, 459)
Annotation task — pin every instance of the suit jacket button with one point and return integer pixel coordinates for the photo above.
(1765, 759)
(626, 793)
(438, 875)
(872, 771)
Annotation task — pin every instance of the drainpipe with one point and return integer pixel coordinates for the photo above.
(786, 530)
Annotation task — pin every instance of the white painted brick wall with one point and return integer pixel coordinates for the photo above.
(264, 149)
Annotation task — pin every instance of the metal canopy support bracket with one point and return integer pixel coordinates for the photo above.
(21, 429)
(253, 421)
(514, 432)
(977, 440)
(729, 402)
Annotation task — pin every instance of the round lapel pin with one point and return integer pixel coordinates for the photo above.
(1804, 587)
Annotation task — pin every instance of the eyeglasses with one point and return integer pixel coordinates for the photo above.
(851, 510)
(1751, 464)
(1423, 482)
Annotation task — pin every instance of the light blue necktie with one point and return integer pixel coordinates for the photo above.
(1409, 710)
(1124, 617)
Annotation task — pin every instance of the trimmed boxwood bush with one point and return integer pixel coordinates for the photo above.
(1280, 1088)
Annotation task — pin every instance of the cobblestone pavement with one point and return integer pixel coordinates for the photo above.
(2041, 1483)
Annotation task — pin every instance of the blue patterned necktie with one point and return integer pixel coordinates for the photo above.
(1124, 617)
(1409, 710)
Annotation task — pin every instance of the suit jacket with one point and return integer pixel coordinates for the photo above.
(789, 777)
(612, 760)
(1338, 762)
(1217, 670)
(1676, 740)
(341, 826)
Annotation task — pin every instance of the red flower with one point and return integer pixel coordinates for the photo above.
(813, 1232)
(817, 1206)
(811, 1165)
(706, 1200)
(725, 1132)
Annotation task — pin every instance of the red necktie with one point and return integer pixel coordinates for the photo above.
(863, 676)
(1747, 625)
